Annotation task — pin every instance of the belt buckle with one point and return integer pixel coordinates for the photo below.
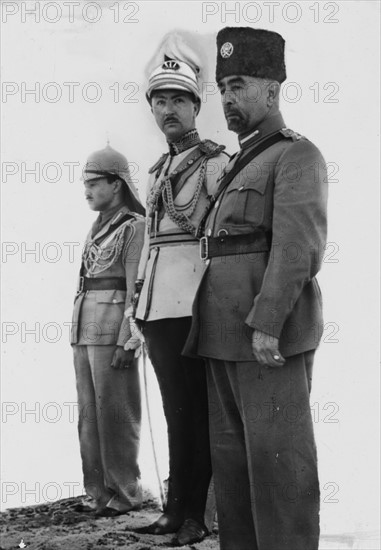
(81, 284)
(204, 248)
(222, 233)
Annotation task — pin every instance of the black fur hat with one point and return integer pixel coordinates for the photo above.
(250, 52)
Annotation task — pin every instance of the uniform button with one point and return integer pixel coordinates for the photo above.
(207, 262)
(217, 204)
(209, 232)
(114, 301)
(240, 188)
(190, 161)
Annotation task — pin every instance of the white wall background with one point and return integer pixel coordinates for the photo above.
(333, 61)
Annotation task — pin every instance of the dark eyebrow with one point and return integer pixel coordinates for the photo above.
(234, 80)
(237, 80)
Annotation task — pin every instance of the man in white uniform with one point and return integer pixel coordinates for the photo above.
(170, 270)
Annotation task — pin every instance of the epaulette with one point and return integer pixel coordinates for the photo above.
(126, 218)
(210, 148)
(134, 217)
(288, 133)
(159, 163)
(138, 217)
(121, 217)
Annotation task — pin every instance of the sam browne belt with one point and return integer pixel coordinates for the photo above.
(228, 245)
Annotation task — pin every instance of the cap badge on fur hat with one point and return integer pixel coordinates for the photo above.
(252, 52)
(226, 50)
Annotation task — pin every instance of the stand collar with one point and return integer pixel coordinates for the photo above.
(265, 128)
(188, 140)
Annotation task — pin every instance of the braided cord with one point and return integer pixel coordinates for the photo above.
(180, 219)
(127, 244)
(97, 259)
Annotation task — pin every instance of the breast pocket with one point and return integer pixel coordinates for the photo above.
(248, 197)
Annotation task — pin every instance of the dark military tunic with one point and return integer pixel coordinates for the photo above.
(263, 448)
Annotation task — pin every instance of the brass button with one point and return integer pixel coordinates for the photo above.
(209, 232)
(217, 204)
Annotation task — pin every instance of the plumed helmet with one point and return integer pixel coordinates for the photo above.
(108, 162)
(177, 64)
(174, 75)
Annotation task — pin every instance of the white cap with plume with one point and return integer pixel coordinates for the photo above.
(176, 65)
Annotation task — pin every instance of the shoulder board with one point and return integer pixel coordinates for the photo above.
(159, 163)
(137, 217)
(210, 148)
(290, 134)
(132, 217)
(122, 218)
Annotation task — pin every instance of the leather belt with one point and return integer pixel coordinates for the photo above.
(167, 239)
(228, 245)
(101, 283)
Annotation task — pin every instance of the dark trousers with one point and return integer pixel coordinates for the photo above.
(264, 455)
(182, 383)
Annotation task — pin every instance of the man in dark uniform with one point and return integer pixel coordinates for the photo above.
(104, 341)
(258, 311)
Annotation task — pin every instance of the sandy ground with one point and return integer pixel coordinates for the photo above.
(57, 526)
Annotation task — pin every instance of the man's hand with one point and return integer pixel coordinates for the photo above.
(122, 359)
(265, 349)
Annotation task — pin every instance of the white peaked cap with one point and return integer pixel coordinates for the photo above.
(173, 75)
(176, 65)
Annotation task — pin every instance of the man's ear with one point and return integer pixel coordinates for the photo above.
(273, 90)
(197, 107)
(117, 185)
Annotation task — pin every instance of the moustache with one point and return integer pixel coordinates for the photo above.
(170, 119)
(231, 112)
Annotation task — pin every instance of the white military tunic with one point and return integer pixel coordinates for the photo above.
(173, 272)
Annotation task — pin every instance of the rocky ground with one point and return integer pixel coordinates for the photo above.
(57, 526)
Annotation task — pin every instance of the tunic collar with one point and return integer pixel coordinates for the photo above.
(188, 140)
(265, 128)
(105, 217)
